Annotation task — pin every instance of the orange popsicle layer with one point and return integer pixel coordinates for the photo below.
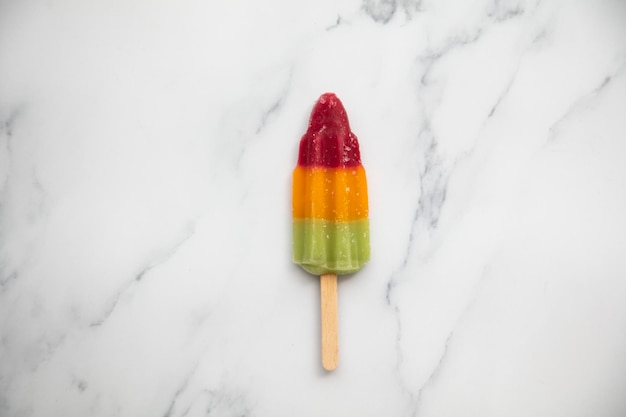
(334, 194)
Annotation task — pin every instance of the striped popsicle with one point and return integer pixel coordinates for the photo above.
(330, 209)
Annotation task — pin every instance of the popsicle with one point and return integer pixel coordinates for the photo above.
(330, 210)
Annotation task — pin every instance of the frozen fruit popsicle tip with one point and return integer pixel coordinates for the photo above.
(330, 113)
(328, 141)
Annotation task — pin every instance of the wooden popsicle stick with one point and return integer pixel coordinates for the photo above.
(330, 345)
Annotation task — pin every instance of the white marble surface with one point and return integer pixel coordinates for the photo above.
(146, 151)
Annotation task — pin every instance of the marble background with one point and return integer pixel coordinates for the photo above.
(146, 151)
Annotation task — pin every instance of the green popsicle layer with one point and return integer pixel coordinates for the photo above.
(326, 247)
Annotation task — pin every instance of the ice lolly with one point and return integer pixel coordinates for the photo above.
(330, 209)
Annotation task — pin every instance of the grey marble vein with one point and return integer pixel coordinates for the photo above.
(501, 11)
(165, 257)
(382, 11)
(433, 56)
(583, 101)
(438, 368)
